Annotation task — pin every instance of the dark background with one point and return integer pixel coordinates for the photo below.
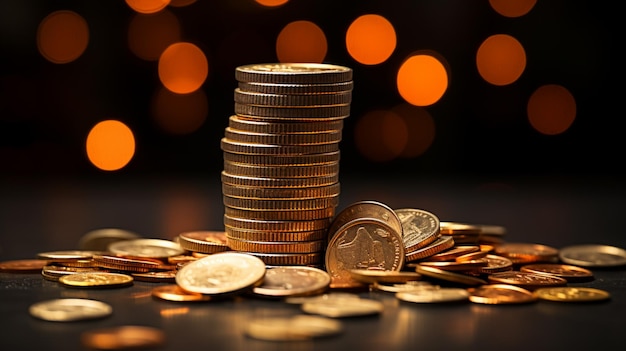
(46, 109)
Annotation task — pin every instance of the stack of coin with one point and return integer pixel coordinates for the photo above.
(280, 182)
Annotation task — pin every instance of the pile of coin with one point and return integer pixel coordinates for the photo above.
(280, 182)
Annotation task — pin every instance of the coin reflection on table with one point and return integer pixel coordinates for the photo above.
(123, 338)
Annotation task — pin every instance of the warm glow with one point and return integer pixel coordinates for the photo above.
(149, 35)
(110, 145)
(501, 59)
(147, 6)
(183, 68)
(62, 36)
(271, 3)
(180, 113)
(371, 39)
(181, 3)
(551, 109)
(422, 80)
(420, 127)
(301, 41)
(512, 8)
(380, 135)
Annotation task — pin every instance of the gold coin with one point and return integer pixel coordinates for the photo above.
(96, 280)
(271, 236)
(569, 272)
(296, 89)
(440, 244)
(276, 225)
(259, 182)
(441, 274)
(221, 273)
(292, 281)
(280, 204)
(289, 259)
(299, 327)
(343, 307)
(499, 294)
(433, 295)
(23, 266)
(453, 252)
(281, 193)
(371, 276)
(283, 139)
(366, 209)
(572, 294)
(276, 246)
(273, 127)
(283, 160)
(526, 252)
(205, 241)
(69, 310)
(296, 114)
(281, 215)
(419, 227)
(237, 147)
(156, 277)
(123, 338)
(527, 280)
(296, 171)
(149, 248)
(293, 73)
(292, 100)
(174, 292)
(100, 239)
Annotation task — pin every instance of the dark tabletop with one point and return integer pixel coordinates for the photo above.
(38, 216)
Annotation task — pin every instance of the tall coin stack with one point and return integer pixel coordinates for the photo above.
(280, 182)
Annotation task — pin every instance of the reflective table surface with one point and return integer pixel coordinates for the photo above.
(39, 216)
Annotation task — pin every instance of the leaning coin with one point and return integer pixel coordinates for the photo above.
(221, 273)
(96, 280)
(593, 255)
(433, 295)
(123, 338)
(68, 310)
(100, 239)
(344, 308)
(572, 294)
(419, 227)
(299, 327)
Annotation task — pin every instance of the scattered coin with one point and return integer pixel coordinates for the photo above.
(148, 248)
(221, 273)
(527, 280)
(292, 281)
(173, 292)
(570, 273)
(339, 308)
(23, 266)
(572, 294)
(500, 294)
(370, 276)
(125, 337)
(299, 327)
(419, 227)
(441, 274)
(433, 295)
(100, 239)
(593, 255)
(69, 310)
(96, 280)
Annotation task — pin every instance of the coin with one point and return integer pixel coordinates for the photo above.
(526, 252)
(292, 281)
(592, 255)
(433, 295)
(123, 338)
(343, 307)
(366, 209)
(419, 227)
(440, 274)
(23, 266)
(499, 294)
(205, 241)
(221, 273)
(299, 327)
(527, 280)
(572, 294)
(100, 239)
(371, 276)
(156, 277)
(96, 280)
(150, 248)
(69, 310)
(569, 272)
(293, 73)
(173, 292)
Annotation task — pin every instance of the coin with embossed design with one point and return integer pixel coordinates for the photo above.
(292, 281)
(572, 294)
(526, 280)
(419, 227)
(96, 280)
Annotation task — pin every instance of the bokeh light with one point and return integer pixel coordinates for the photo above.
(149, 35)
(500, 59)
(512, 8)
(422, 80)
(183, 68)
(147, 6)
(271, 3)
(180, 113)
(110, 145)
(371, 39)
(301, 41)
(380, 135)
(551, 109)
(420, 128)
(62, 36)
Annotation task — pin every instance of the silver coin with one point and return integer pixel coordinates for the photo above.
(593, 255)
